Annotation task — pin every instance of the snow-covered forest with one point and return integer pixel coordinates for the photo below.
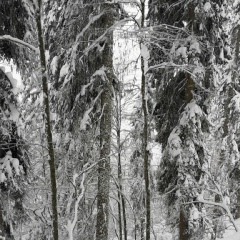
(119, 119)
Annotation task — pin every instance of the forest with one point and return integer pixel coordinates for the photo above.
(119, 120)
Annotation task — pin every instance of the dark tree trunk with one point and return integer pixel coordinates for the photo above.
(47, 120)
(105, 131)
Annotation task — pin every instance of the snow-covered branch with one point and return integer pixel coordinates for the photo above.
(222, 205)
(20, 42)
(71, 224)
(100, 38)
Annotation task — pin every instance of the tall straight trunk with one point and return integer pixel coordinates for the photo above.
(105, 130)
(47, 120)
(145, 135)
(183, 226)
(121, 203)
(119, 188)
(124, 215)
(235, 74)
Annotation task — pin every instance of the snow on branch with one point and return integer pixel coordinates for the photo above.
(75, 45)
(20, 42)
(71, 224)
(107, 31)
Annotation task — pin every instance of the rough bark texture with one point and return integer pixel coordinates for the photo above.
(235, 75)
(47, 121)
(105, 131)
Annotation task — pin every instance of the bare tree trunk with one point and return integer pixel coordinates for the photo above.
(235, 75)
(47, 120)
(105, 131)
(124, 217)
(183, 226)
(119, 194)
(121, 203)
(145, 136)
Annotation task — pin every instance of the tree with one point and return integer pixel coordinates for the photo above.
(183, 118)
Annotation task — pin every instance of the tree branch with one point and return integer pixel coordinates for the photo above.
(19, 42)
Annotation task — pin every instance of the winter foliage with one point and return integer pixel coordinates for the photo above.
(125, 122)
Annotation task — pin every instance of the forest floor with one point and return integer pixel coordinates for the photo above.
(230, 233)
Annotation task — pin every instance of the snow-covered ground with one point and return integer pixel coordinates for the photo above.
(231, 234)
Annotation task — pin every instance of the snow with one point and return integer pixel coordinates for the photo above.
(20, 42)
(182, 51)
(14, 113)
(54, 64)
(230, 233)
(8, 164)
(51, 16)
(195, 47)
(190, 113)
(174, 142)
(146, 55)
(207, 7)
(85, 120)
(64, 70)
(13, 77)
(235, 236)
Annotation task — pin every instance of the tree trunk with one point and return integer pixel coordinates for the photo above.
(124, 218)
(183, 226)
(235, 75)
(145, 135)
(119, 181)
(4, 227)
(105, 131)
(121, 203)
(47, 120)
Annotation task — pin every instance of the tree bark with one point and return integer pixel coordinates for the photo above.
(121, 203)
(145, 135)
(105, 131)
(48, 128)
(183, 226)
(235, 74)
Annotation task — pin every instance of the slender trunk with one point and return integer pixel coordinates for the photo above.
(124, 218)
(121, 203)
(120, 195)
(142, 229)
(105, 132)
(119, 180)
(47, 121)
(235, 75)
(145, 136)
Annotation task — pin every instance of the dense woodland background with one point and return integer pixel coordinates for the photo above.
(125, 122)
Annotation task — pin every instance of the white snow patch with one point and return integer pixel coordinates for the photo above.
(207, 6)
(14, 113)
(174, 142)
(146, 55)
(54, 64)
(64, 70)
(195, 47)
(182, 51)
